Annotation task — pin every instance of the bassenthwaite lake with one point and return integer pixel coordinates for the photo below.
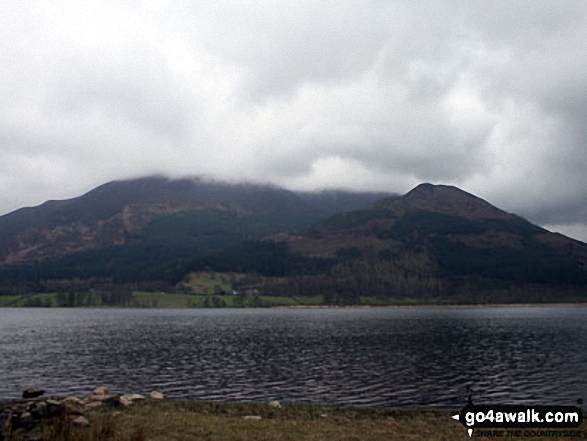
(384, 357)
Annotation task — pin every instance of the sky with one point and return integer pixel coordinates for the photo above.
(490, 96)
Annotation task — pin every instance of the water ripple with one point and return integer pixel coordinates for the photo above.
(351, 357)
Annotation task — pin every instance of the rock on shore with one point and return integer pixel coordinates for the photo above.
(32, 392)
(19, 418)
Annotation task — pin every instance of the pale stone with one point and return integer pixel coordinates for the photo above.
(156, 395)
(133, 397)
(80, 421)
(252, 418)
(275, 404)
(100, 391)
(102, 397)
(93, 405)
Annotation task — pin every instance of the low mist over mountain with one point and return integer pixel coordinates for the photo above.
(434, 242)
(150, 221)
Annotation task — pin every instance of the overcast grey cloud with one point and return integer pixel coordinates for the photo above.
(490, 96)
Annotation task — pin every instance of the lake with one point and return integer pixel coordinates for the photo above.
(390, 357)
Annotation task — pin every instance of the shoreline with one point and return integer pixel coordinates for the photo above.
(398, 306)
(434, 305)
(142, 418)
(143, 299)
(146, 398)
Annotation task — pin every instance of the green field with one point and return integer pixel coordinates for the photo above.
(141, 299)
(44, 299)
(9, 300)
(209, 282)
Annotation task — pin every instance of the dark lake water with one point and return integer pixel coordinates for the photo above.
(354, 357)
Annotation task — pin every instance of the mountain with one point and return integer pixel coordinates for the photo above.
(130, 228)
(435, 242)
(440, 241)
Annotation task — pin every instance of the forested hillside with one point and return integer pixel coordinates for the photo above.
(435, 242)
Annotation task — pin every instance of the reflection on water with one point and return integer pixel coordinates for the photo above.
(357, 357)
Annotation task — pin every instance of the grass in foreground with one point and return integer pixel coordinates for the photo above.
(191, 420)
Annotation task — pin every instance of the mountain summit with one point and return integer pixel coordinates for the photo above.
(446, 200)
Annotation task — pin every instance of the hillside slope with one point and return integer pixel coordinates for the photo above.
(127, 230)
(440, 241)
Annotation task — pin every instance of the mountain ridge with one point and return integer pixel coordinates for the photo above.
(436, 241)
(108, 214)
